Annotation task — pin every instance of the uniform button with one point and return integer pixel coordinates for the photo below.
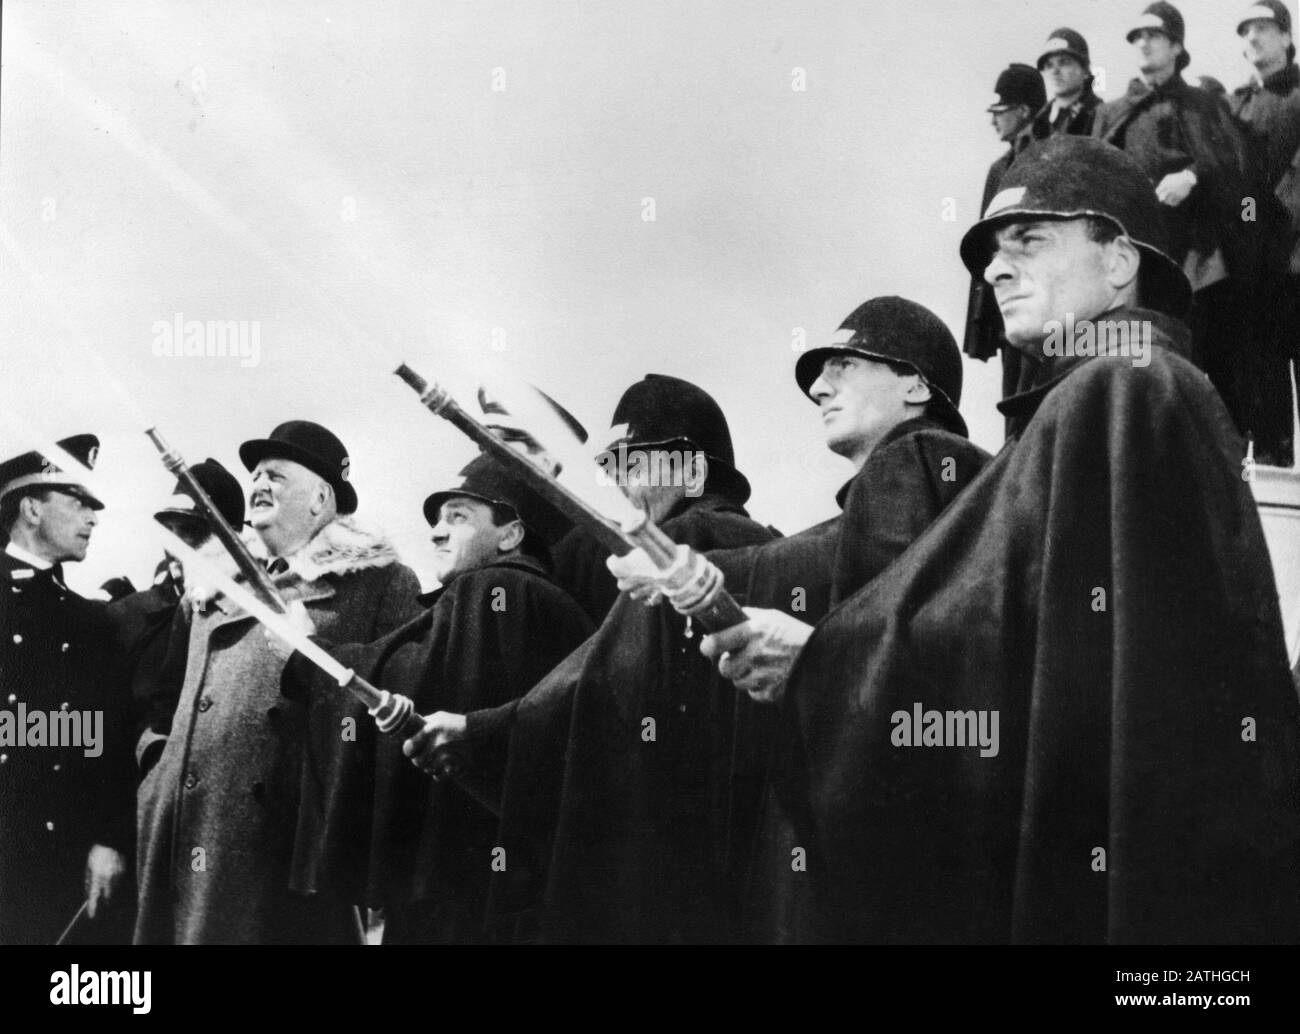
(17, 639)
(205, 703)
(190, 781)
(63, 706)
(57, 767)
(64, 647)
(13, 698)
(50, 826)
(3, 758)
(14, 588)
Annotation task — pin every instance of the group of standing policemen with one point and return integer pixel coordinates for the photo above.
(1227, 174)
(1038, 697)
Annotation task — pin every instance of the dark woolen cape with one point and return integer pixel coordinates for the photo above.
(538, 727)
(655, 841)
(1120, 729)
(487, 637)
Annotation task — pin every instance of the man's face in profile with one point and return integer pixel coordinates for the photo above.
(1041, 271)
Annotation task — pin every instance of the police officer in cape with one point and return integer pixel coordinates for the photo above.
(1020, 96)
(1269, 105)
(1067, 68)
(66, 803)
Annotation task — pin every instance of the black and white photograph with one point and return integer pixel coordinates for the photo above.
(586, 473)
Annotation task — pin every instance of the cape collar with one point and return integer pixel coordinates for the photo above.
(1284, 80)
(519, 562)
(917, 423)
(1167, 332)
(1174, 86)
(707, 500)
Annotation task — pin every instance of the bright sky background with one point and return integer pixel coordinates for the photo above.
(345, 174)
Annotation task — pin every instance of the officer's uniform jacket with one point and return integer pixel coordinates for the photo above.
(56, 655)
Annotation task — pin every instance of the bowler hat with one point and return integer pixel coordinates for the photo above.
(220, 486)
(1074, 177)
(32, 471)
(895, 330)
(316, 448)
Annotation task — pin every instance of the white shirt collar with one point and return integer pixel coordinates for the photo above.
(18, 553)
(1058, 107)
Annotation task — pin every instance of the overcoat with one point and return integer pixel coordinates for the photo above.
(1103, 590)
(244, 792)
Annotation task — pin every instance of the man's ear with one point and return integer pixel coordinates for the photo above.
(1123, 261)
(512, 537)
(917, 393)
(322, 496)
(29, 509)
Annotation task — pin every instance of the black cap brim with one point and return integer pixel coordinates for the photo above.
(433, 504)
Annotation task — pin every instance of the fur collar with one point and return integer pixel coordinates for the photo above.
(343, 546)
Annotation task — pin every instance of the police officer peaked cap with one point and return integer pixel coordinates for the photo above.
(1073, 177)
(895, 330)
(489, 481)
(221, 487)
(660, 411)
(1065, 41)
(316, 448)
(32, 471)
(1265, 10)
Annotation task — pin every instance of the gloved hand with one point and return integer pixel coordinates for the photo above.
(681, 584)
(1174, 188)
(105, 871)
